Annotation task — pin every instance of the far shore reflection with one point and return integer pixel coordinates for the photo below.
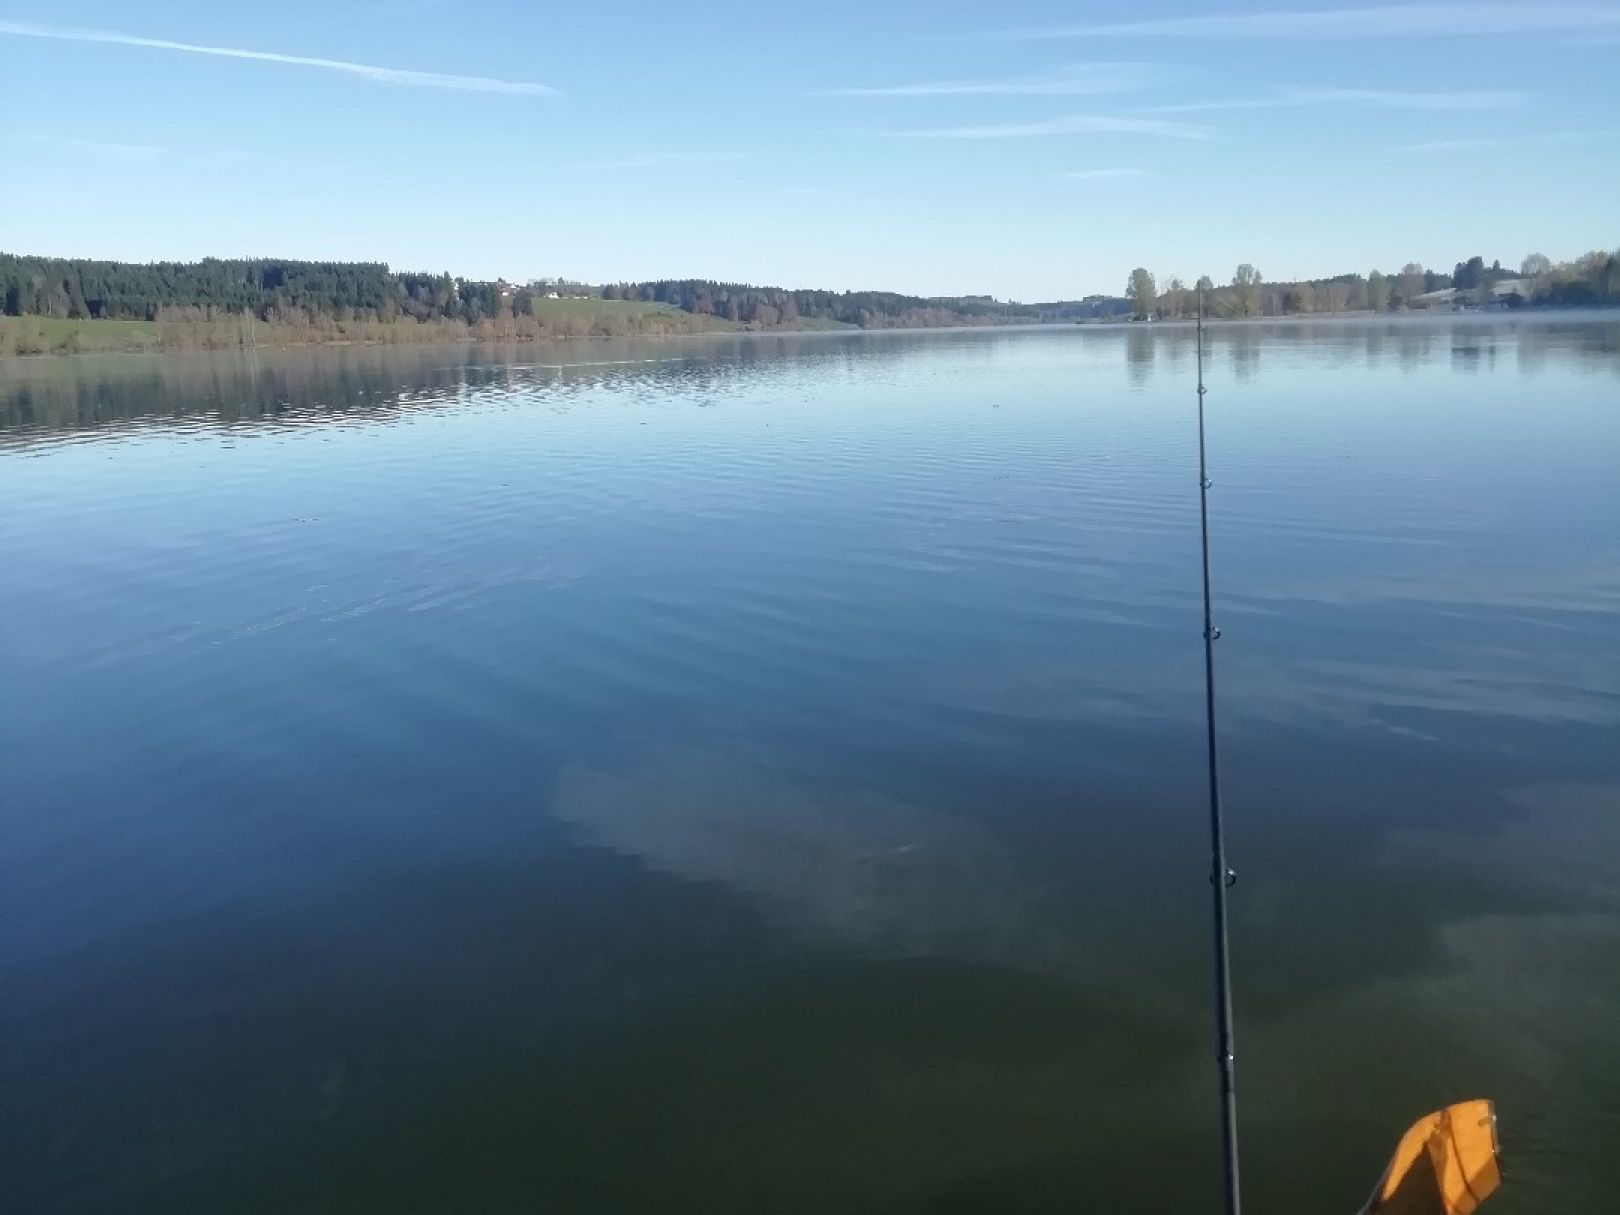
(285, 387)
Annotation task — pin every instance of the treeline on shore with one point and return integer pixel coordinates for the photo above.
(773, 307)
(218, 302)
(72, 304)
(1590, 280)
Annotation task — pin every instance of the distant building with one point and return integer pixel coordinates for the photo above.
(1431, 299)
(1450, 297)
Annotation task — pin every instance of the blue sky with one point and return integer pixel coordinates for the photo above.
(1032, 150)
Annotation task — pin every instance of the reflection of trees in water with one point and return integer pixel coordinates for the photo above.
(1141, 347)
(1471, 343)
(1376, 343)
(1590, 344)
(1179, 344)
(1473, 352)
(224, 389)
(381, 383)
(1412, 343)
(1242, 347)
(1596, 343)
(1530, 358)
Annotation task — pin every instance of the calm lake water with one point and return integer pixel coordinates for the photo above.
(766, 774)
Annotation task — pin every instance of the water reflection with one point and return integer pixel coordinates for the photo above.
(379, 383)
(1141, 348)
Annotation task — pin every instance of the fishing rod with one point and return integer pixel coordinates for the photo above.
(1221, 876)
(1447, 1162)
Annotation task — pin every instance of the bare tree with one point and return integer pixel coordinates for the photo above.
(1411, 282)
(1176, 298)
(1377, 291)
(1247, 281)
(1535, 265)
(1538, 268)
(1143, 293)
(1205, 296)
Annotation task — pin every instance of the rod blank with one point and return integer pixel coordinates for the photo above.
(1221, 876)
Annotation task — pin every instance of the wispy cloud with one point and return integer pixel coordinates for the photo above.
(97, 147)
(1072, 79)
(1370, 99)
(1078, 124)
(1452, 145)
(657, 160)
(1521, 141)
(1100, 174)
(365, 71)
(1381, 21)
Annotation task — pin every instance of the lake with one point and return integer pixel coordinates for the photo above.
(766, 773)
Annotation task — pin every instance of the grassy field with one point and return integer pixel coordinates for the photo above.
(819, 324)
(58, 329)
(596, 307)
(50, 335)
(558, 318)
(635, 315)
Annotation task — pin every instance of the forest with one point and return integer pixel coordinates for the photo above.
(770, 307)
(297, 292)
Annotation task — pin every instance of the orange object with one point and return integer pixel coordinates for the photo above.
(1445, 1164)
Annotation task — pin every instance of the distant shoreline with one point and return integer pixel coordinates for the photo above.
(61, 338)
(51, 337)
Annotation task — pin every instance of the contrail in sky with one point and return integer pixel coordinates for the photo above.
(366, 71)
(1381, 21)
